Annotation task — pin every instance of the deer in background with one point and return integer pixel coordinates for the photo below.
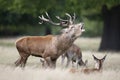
(43, 63)
(49, 47)
(73, 54)
(98, 66)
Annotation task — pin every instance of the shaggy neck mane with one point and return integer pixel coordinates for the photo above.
(64, 41)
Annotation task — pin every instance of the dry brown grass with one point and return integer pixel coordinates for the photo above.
(33, 70)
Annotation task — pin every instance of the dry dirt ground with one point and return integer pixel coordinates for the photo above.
(34, 71)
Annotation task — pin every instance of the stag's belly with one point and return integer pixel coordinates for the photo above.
(36, 50)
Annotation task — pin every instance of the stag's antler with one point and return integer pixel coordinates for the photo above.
(63, 22)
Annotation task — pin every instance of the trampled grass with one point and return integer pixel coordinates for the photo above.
(33, 70)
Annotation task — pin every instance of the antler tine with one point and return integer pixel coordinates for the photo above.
(70, 20)
(41, 22)
(43, 19)
(48, 16)
(68, 15)
(40, 18)
(74, 16)
(60, 18)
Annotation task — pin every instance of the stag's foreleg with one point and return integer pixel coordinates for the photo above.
(51, 62)
(63, 58)
(68, 62)
(18, 62)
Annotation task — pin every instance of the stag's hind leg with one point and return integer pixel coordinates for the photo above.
(18, 62)
(22, 60)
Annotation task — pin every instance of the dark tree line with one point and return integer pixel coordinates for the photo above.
(111, 30)
(19, 17)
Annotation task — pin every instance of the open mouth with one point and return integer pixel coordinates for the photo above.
(82, 28)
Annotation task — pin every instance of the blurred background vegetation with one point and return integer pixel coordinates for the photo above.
(20, 17)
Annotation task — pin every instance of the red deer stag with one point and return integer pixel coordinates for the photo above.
(73, 54)
(49, 47)
(98, 66)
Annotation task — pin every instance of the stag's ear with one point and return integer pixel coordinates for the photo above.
(96, 59)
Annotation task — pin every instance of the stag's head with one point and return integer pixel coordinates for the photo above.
(71, 29)
(74, 30)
